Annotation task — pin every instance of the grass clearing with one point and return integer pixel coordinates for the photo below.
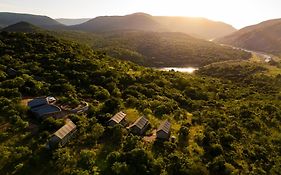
(273, 70)
(195, 132)
(256, 59)
(132, 114)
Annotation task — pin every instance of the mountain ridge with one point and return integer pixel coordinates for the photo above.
(8, 18)
(22, 27)
(264, 37)
(198, 27)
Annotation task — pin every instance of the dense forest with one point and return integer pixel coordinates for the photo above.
(226, 118)
(152, 49)
(155, 49)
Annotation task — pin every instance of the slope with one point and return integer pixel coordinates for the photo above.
(155, 49)
(235, 127)
(265, 37)
(198, 27)
(137, 21)
(7, 19)
(22, 27)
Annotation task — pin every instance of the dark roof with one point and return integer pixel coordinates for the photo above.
(65, 130)
(45, 109)
(140, 123)
(165, 126)
(37, 102)
(40, 101)
(118, 117)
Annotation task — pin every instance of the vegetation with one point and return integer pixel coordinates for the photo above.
(23, 27)
(146, 48)
(223, 123)
(263, 37)
(197, 27)
(7, 19)
(156, 49)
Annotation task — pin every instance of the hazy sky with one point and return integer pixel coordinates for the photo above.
(238, 13)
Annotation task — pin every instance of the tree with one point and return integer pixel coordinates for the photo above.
(183, 136)
(111, 105)
(87, 159)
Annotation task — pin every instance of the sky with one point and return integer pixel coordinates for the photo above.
(238, 13)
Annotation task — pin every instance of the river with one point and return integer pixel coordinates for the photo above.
(189, 70)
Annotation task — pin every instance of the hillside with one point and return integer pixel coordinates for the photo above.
(264, 37)
(156, 49)
(152, 49)
(221, 126)
(69, 22)
(198, 27)
(7, 19)
(137, 21)
(22, 27)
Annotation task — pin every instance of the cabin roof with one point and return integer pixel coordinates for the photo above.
(140, 122)
(37, 102)
(65, 130)
(40, 101)
(45, 109)
(118, 117)
(164, 126)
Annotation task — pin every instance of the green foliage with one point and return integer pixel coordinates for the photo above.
(156, 49)
(225, 122)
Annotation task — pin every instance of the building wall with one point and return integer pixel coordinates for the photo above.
(139, 131)
(135, 130)
(162, 135)
(123, 122)
(112, 123)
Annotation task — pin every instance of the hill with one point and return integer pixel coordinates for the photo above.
(155, 49)
(69, 22)
(138, 21)
(221, 126)
(264, 37)
(7, 19)
(198, 27)
(22, 27)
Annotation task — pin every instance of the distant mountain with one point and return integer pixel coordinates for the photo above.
(69, 22)
(22, 27)
(198, 27)
(7, 19)
(136, 21)
(265, 37)
(156, 49)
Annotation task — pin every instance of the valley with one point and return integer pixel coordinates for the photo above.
(136, 94)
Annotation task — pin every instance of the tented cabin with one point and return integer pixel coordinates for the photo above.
(139, 126)
(36, 102)
(119, 118)
(44, 111)
(62, 136)
(163, 132)
(43, 107)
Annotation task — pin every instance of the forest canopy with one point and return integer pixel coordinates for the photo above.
(223, 124)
